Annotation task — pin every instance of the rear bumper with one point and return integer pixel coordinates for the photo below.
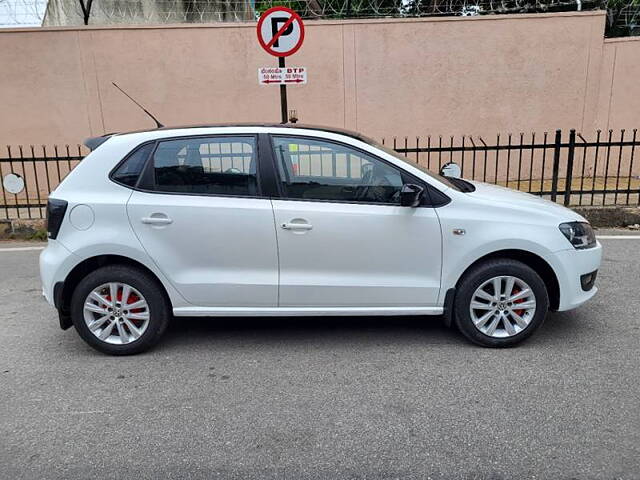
(572, 267)
(55, 264)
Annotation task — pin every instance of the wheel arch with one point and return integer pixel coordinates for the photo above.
(87, 266)
(536, 262)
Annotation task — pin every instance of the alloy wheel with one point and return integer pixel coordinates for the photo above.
(116, 313)
(502, 306)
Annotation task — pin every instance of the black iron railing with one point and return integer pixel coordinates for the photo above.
(575, 171)
(40, 169)
(569, 169)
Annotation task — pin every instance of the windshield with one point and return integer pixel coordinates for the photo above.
(406, 160)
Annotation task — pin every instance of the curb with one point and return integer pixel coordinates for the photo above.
(610, 217)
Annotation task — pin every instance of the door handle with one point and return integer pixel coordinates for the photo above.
(156, 219)
(296, 226)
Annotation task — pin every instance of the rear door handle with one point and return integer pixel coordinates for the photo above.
(156, 219)
(296, 226)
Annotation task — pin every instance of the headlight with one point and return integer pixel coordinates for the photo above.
(579, 234)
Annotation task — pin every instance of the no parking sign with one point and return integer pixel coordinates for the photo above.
(280, 31)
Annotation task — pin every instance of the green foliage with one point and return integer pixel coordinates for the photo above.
(40, 235)
(621, 3)
(623, 18)
(264, 5)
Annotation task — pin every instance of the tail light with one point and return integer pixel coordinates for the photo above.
(55, 214)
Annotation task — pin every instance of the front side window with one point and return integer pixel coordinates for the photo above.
(322, 170)
(211, 165)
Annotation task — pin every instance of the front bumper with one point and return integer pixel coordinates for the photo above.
(571, 267)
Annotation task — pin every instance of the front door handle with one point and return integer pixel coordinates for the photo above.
(296, 226)
(156, 219)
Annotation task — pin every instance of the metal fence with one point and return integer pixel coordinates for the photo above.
(39, 170)
(568, 169)
(574, 171)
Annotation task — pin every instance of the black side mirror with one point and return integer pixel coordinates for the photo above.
(410, 195)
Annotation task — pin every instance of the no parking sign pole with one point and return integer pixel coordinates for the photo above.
(284, 109)
(281, 33)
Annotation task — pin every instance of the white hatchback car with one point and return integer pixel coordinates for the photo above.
(259, 220)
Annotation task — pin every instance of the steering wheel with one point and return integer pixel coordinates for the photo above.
(380, 191)
(362, 190)
(395, 198)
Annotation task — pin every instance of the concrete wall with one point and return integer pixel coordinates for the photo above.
(619, 100)
(383, 77)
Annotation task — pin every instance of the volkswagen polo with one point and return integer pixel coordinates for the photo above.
(277, 220)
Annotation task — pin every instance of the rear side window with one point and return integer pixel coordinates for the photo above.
(211, 165)
(129, 171)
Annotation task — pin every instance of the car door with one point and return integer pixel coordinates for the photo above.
(343, 238)
(199, 213)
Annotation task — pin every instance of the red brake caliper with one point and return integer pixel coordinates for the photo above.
(520, 311)
(132, 299)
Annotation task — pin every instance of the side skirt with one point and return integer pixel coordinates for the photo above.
(302, 311)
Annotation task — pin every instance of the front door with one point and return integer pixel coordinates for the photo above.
(203, 221)
(343, 238)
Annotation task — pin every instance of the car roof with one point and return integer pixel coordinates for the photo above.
(304, 126)
(94, 142)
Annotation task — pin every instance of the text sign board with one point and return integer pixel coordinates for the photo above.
(282, 76)
(280, 31)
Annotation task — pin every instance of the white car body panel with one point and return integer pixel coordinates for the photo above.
(218, 251)
(569, 264)
(495, 219)
(358, 255)
(357, 259)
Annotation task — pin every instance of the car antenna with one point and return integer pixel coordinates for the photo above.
(158, 124)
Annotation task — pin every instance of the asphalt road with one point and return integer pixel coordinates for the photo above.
(324, 398)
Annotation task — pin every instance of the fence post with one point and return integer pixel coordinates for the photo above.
(570, 154)
(556, 165)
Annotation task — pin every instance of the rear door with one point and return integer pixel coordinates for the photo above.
(200, 214)
(343, 238)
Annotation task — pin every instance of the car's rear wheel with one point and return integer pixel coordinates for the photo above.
(120, 310)
(500, 302)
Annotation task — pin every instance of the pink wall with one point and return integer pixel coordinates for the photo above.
(384, 77)
(619, 100)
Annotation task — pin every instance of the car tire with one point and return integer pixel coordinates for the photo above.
(132, 331)
(501, 320)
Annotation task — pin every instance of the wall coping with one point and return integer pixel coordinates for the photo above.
(311, 23)
(622, 39)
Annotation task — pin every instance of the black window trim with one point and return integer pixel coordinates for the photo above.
(268, 168)
(426, 198)
(146, 179)
(126, 158)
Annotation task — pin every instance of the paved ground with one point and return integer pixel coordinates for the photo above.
(317, 398)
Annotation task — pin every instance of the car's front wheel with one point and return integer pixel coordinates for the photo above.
(500, 302)
(120, 310)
